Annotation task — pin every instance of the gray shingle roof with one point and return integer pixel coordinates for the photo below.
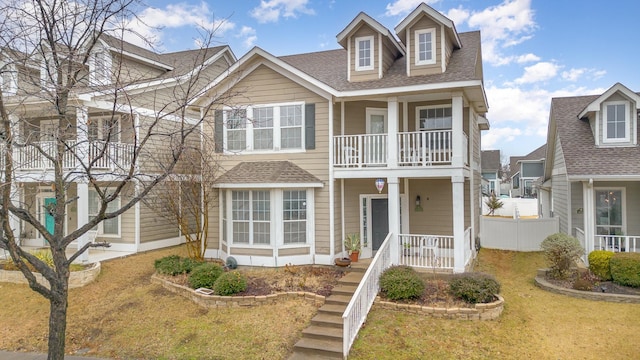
(490, 160)
(581, 155)
(259, 172)
(330, 67)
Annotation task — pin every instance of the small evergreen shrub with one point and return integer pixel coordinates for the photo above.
(174, 265)
(585, 281)
(205, 275)
(599, 264)
(561, 252)
(230, 283)
(474, 288)
(625, 269)
(400, 283)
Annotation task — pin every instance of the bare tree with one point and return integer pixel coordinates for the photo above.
(111, 132)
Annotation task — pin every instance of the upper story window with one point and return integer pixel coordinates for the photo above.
(105, 128)
(100, 67)
(364, 53)
(434, 117)
(265, 128)
(616, 121)
(425, 46)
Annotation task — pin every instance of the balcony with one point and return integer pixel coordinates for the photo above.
(107, 155)
(415, 149)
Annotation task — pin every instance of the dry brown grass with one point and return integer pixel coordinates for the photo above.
(123, 315)
(534, 325)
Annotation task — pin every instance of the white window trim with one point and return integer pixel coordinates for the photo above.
(417, 47)
(100, 119)
(623, 195)
(276, 197)
(371, 52)
(375, 111)
(441, 106)
(100, 224)
(102, 77)
(276, 130)
(627, 121)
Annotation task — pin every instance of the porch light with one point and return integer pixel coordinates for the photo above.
(418, 205)
(379, 184)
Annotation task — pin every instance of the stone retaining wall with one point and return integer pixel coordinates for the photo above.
(542, 283)
(217, 301)
(76, 278)
(488, 311)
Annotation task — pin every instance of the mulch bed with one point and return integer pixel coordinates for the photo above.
(596, 285)
(436, 294)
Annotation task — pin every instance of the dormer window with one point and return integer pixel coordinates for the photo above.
(100, 67)
(616, 122)
(425, 47)
(364, 53)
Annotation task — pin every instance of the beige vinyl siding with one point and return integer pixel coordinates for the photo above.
(389, 55)
(337, 218)
(126, 70)
(355, 121)
(294, 251)
(265, 86)
(364, 75)
(251, 251)
(153, 225)
(437, 215)
(577, 202)
(560, 189)
(213, 239)
(417, 70)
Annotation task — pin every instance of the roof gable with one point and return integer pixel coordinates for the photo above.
(617, 88)
(426, 10)
(364, 19)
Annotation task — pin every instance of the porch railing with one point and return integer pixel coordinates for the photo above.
(360, 150)
(107, 155)
(425, 147)
(356, 312)
(617, 243)
(427, 251)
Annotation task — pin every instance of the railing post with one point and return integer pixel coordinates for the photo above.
(457, 185)
(457, 130)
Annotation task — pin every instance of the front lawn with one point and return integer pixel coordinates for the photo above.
(535, 324)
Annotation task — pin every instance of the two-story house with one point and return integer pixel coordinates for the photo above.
(101, 136)
(592, 168)
(380, 138)
(525, 170)
(491, 172)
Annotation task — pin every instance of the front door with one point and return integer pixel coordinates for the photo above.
(48, 217)
(379, 222)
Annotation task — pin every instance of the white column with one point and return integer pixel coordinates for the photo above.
(393, 191)
(14, 222)
(457, 187)
(332, 222)
(392, 132)
(588, 198)
(82, 134)
(457, 130)
(473, 119)
(83, 215)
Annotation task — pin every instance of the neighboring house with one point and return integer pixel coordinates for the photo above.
(525, 170)
(491, 171)
(307, 137)
(592, 168)
(99, 136)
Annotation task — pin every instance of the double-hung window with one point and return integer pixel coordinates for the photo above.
(251, 217)
(434, 117)
(425, 46)
(294, 207)
(265, 128)
(616, 121)
(364, 53)
(108, 227)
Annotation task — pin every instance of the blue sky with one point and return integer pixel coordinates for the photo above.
(532, 50)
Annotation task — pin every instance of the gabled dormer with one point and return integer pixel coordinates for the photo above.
(613, 117)
(430, 38)
(371, 48)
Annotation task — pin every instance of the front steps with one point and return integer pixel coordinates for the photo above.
(323, 338)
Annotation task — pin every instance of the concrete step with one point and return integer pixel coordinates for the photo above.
(337, 300)
(333, 309)
(322, 332)
(352, 278)
(327, 320)
(308, 356)
(328, 349)
(346, 289)
(360, 266)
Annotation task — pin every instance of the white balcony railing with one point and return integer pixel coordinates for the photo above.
(107, 155)
(360, 150)
(426, 251)
(425, 147)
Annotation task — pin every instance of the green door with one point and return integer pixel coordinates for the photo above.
(48, 217)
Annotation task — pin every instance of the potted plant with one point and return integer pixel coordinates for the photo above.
(352, 245)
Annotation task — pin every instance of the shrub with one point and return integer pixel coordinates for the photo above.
(625, 269)
(401, 282)
(561, 251)
(585, 281)
(599, 263)
(175, 265)
(205, 275)
(474, 288)
(230, 283)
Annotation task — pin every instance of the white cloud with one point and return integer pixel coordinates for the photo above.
(458, 15)
(539, 72)
(403, 7)
(271, 10)
(497, 136)
(249, 35)
(573, 74)
(527, 58)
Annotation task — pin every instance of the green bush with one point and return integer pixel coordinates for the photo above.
(205, 275)
(401, 282)
(625, 269)
(561, 252)
(474, 288)
(175, 265)
(230, 283)
(599, 264)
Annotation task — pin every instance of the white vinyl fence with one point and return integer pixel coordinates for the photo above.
(516, 234)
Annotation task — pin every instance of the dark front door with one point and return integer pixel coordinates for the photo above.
(379, 221)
